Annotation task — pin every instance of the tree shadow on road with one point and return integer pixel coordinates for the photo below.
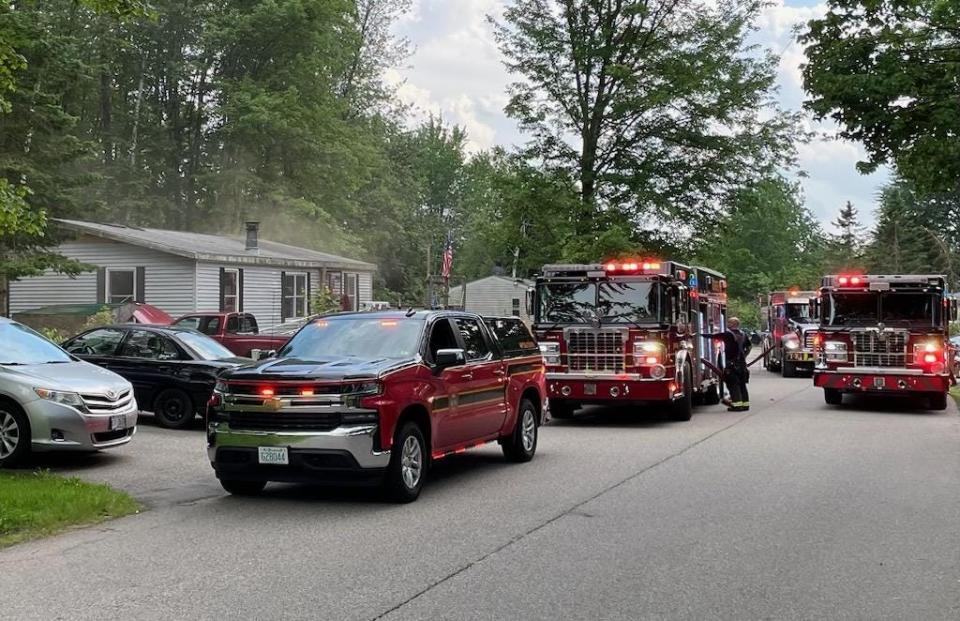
(888, 404)
(625, 417)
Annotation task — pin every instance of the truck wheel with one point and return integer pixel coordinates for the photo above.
(561, 410)
(938, 401)
(682, 409)
(14, 436)
(174, 409)
(711, 396)
(521, 445)
(243, 488)
(832, 396)
(789, 369)
(408, 464)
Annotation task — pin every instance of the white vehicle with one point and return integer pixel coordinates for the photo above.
(51, 401)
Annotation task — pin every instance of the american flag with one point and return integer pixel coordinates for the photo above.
(447, 268)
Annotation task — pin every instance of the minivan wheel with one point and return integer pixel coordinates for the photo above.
(14, 436)
(408, 464)
(243, 488)
(173, 409)
(521, 445)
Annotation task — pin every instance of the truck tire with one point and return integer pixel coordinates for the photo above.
(408, 464)
(521, 445)
(14, 435)
(242, 488)
(711, 396)
(561, 410)
(681, 409)
(938, 401)
(832, 396)
(174, 409)
(788, 369)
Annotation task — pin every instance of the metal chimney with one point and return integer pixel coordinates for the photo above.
(253, 236)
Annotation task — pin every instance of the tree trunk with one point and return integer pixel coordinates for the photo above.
(136, 120)
(106, 114)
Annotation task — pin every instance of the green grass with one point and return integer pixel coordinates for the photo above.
(955, 393)
(36, 504)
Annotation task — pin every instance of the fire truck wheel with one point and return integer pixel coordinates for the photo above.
(789, 369)
(711, 396)
(938, 401)
(832, 396)
(682, 409)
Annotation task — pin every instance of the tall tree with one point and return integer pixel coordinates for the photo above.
(886, 72)
(658, 107)
(844, 250)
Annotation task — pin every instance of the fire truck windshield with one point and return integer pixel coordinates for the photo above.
(609, 301)
(799, 313)
(855, 308)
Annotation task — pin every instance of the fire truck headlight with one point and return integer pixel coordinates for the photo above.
(550, 353)
(835, 351)
(792, 344)
(658, 371)
(647, 352)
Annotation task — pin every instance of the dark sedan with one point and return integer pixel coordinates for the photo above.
(173, 370)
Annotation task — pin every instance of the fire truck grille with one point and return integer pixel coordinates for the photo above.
(870, 350)
(808, 339)
(596, 350)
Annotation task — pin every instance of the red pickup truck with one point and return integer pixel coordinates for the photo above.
(238, 332)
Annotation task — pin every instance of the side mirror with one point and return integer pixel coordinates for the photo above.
(531, 298)
(447, 358)
(263, 354)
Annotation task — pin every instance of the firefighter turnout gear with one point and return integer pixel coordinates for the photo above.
(736, 374)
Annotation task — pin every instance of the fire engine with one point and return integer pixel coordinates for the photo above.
(626, 332)
(790, 332)
(883, 334)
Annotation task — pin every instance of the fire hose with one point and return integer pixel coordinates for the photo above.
(719, 371)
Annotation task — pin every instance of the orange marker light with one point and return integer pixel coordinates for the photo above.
(306, 392)
(651, 360)
(389, 324)
(267, 392)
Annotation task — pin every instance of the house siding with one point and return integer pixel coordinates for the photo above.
(168, 278)
(492, 296)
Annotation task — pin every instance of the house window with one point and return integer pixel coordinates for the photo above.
(351, 290)
(230, 291)
(121, 286)
(335, 282)
(515, 309)
(295, 302)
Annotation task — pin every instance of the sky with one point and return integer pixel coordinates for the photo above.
(456, 71)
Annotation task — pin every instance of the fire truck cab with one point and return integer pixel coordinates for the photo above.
(790, 328)
(883, 334)
(626, 332)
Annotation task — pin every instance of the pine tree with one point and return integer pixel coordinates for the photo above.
(846, 247)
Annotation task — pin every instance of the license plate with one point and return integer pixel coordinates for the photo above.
(118, 422)
(589, 389)
(273, 455)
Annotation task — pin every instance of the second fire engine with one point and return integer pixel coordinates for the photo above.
(626, 332)
(790, 332)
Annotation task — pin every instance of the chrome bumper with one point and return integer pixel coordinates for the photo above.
(77, 429)
(358, 440)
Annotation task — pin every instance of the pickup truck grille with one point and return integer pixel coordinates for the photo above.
(596, 350)
(870, 350)
(283, 421)
(102, 404)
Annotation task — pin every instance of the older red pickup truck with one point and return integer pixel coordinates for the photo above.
(238, 332)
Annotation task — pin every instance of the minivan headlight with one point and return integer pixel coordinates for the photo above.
(64, 398)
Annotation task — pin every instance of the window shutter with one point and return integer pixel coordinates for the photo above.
(101, 285)
(141, 295)
(223, 275)
(240, 290)
(308, 294)
(283, 281)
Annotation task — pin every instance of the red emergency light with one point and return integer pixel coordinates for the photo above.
(851, 281)
(634, 266)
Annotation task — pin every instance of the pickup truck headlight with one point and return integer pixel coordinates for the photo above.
(64, 398)
(364, 389)
(550, 353)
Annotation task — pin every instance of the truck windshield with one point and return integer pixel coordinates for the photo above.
(21, 345)
(799, 313)
(845, 309)
(610, 301)
(366, 338)
(629, 302)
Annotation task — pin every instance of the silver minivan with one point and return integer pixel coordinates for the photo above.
(51, 401)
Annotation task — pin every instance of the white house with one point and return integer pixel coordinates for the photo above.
(493, 296)
(182, 272)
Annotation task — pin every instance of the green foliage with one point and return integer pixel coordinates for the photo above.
(886, 72)
(324, 301)
(747, 311)
(657, 107)
(36, 504)
(844, 250)
(768, 241)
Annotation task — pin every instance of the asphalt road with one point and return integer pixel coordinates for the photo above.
(791, 511)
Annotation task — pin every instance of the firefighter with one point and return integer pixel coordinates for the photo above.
(736, 344)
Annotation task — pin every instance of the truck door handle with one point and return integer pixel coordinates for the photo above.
(467, 376)
(500, 372)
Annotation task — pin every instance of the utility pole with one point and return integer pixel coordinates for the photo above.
(516, 250)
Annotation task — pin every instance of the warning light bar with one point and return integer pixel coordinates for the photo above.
(851, 281)
(632, 266)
